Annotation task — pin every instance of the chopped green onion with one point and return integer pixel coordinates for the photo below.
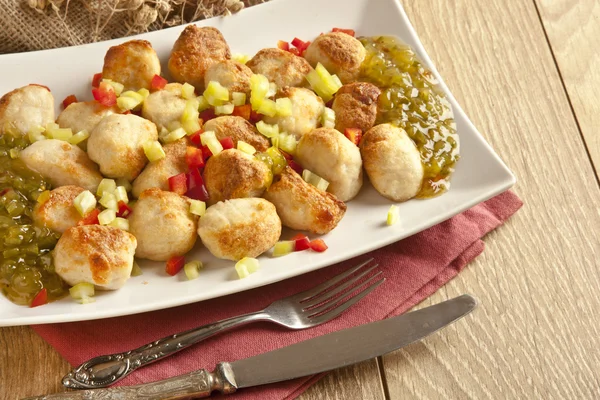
(393, 215)
(197, 207)
(246, 266)
(245, 147)
(192, 269)
(239, 99)
(153, 151)
(107, 216)
(84, 202)
(106, 185)
(79, 137)
(284, 247)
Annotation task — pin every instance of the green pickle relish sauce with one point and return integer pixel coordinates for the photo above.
(411, 99)
(25, 260)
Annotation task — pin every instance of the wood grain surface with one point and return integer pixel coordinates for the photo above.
(536, 333)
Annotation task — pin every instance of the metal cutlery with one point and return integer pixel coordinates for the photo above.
(320, 354)
(302, 310)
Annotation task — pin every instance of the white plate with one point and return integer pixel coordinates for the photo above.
(480, 173)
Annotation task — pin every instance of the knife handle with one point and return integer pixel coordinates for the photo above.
(196, 384)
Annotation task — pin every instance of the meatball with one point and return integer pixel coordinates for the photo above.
(355, 106)
(392, 162)
(133, 64)
(163, 225)
(164, 106)
(157, 173)
(83, 115)
(196, 49)
(307, 108)
(101, 255)
(302, 206)
(233, 75)
(62, 164)
(238, 228)
(27, 107)
(116, 144)
(234, 174)
(237, 128)
(281, 67)
(339, 52)
(329, 154)
(58, 212)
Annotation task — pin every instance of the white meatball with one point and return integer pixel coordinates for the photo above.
(101, 255)
(58, 211)
(163, 225)
(238, 228)
(164, 106)
(392, 162)
(26, 107)
(329, 154)
(340, 53)
(62, 163)
(307, 108)
(133, 63)
(157, 173)
(116, 145)
(281, 67)
(83, 115)
(230, 74)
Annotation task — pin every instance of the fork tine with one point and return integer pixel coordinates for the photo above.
(329, 315)
(308, 294)
(327, 295)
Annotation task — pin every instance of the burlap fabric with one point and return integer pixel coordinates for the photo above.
(27, 25)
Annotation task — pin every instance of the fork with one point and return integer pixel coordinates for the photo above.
(300, 311)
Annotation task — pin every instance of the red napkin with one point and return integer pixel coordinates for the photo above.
(414, 267)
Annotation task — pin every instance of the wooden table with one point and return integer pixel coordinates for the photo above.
(527, 72)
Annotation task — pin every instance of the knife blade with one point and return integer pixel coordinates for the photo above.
(320, 354)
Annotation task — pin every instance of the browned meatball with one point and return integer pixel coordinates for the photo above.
(233, 174)
(340, 53)
(281, 67)
(237, 128)
(355, 106)
(133, 64)
(58, 212)
(230, 74)
(302, 206)
(196, 49)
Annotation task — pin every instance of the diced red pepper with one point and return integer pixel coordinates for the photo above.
(69, 100)
(174, 265)
(286, 155)
(208, 114)
(124, 210)
(318, 245)
(346, 31)
(295, 166)
(105, 94)
(299, 236)
(255, 117)
(244, 111)
(206, 153)
(5, 190)
(300, 45)
(227, 143)
(158, 82)
(194, 157)
(127, 112)
(301, 244)
(178, 183)
(40, 298)
(196, 188)
(195, 137)
(354, 135)
(97, 79)
(283, 45)
(91, 218)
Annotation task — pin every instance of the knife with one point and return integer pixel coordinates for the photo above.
(320, 354)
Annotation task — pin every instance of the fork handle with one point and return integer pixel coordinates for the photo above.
(105, 370)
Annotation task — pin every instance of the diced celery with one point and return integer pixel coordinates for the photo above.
(259, 85)
(287, 143)
(144, 92)
(174, 135)
(60, 134)
(283, 106)
(216, 94)
(190, 112)
(125, 183)
(83, 290)
(121, 223)
(284, 247)
(393, 215)
(84, 202)
(246, 266)
(197, 207)
(190, 127)
(136, 270)
(328, 118)
(268, 108)
(187, 91)
(267, 130)
(107, 216)
(106, 185)
(337, 81)
(79, 137)
(325, 90)
(225, 109)
(192, 269)
(256, 101)
(272, 89)
(121, 194)
(127, 103)
(315, 180)
(202, 103)
(133, 95)
(36, 133)
(209, 139)
(116, 85)
(239, 99)
(171, 126)
(275, 141)
(51, 126)
(241, 58)
(109, 201)
(327, 79)
(153, 151)
(245, 147)
(42, 197)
